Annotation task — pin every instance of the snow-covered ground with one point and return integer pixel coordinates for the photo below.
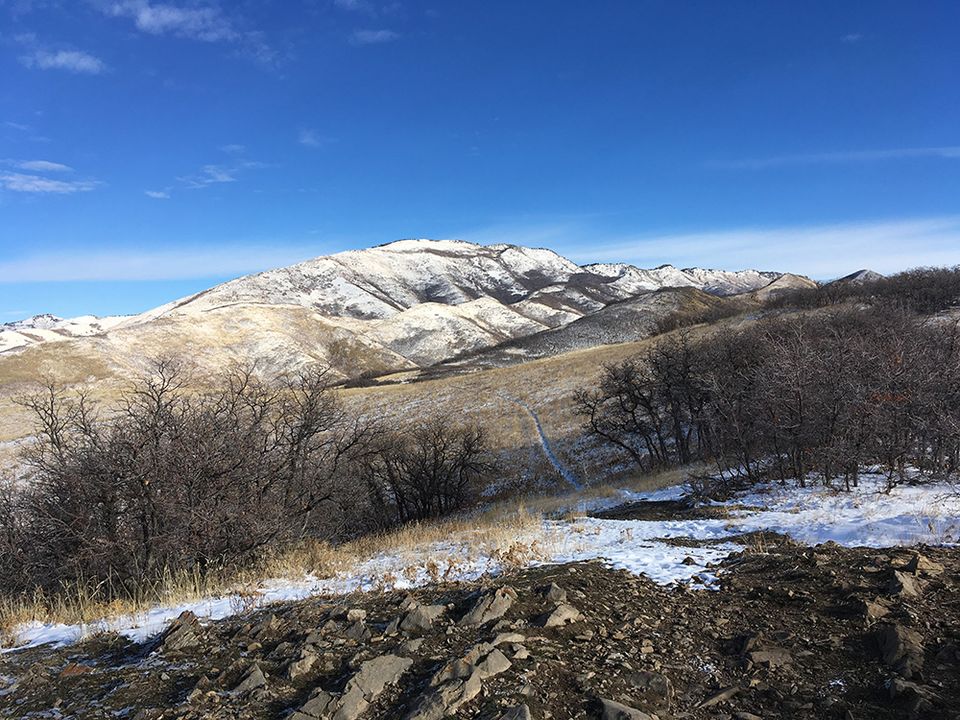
(927, 514)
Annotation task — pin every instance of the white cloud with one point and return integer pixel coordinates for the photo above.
(22, 182)
(946, 152)
(157, 194)
(165, 264)
(197, 23)
(43, 166)
(71, 60)
(214, 174)
(309, 138)
(821, 251)
(373, 37)
(852, 38)
(353, 5)
(204, 22)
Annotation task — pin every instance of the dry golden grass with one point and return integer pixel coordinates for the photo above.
(512, 533)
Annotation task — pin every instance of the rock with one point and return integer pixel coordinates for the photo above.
(492, 606)
(254, 679)
(360, 691)
(36, 676)
(869, 610)
(652, 687)
(421, 618)
(356, 614)
(493, 664)
(611, 710)
(320, 705)
(73, 669)
(554, 593)
(902, 584)
(303, 666)
(447, 699)
(411, 646)
(563, 614)
(460, 681)
(520, 712)
(269, 628)
(183, 633)
(900, 648)
(771, 657)
(364, 687)
(920, 565)
(719, 696)
(358, 631)
(913, 698)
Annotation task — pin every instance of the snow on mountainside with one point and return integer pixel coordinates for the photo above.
(860, 276)
(410, 303)
(48, 328)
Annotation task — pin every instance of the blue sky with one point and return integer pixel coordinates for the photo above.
(151, 149)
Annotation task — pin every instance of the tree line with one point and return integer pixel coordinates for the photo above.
(792, 397)
(922, 290)
(171, 479)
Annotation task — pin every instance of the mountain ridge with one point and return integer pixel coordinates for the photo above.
(425, 301)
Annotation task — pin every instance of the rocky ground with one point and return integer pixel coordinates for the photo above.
(794, 632)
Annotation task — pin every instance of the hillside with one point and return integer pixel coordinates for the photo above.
(405, 305)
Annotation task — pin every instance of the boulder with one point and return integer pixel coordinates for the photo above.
(183, 633)
(361, 690)
(299, 668)
(554, 593)
(254, 679)
(491, 606)
(421, 618)
(770, 657)
(612, 710)
(924, 566)
(900, 648)
(562, 614)
(902, 584)
(651, 687)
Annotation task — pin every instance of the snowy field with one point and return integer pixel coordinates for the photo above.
(928, 514)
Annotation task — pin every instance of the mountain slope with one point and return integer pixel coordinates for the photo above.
(405, 305)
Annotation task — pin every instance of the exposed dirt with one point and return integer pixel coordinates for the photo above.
(794, 632)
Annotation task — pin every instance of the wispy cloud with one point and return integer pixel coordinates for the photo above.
(43, 166)
(312, 139)
(208, 175)
(36, 178)
(946, 152)
(819, 250)
(363, 6)
(206, 23)
(25, 183)
(161, 264)
(373, 37)
(73, 61)
(851, 38)
(233, 149)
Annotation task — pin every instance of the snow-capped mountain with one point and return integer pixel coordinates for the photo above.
(403, 305)
(47, 327)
